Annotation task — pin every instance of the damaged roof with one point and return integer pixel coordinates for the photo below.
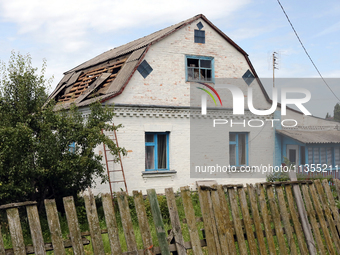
(312, 137)
(106, 75)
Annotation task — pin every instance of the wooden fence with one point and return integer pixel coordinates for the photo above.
(298, 217)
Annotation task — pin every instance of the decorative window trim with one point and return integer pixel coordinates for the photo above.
(236, 142)
(199, 58)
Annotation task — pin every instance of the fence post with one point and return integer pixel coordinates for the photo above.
(2, 247)
(303, 215)
(35, 228)
(16, 231)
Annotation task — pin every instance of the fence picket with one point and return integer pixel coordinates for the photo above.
(296, 223)
(328, 214)
(220, 222)
(127, 222)
(35, 228)
(266, 221)
(337, 186)
(208, 224)
(175, 222)
(224, 207)
(256, 219)
(143, 222)
(276, 220)
(191, 221)
(16, 231)
(286, 221)
(332, 205)
(248, 223)
(111, 224)
(54, 226)
(157, 219)
(2, 247)
(321, 218)
(95, 231)
(72, 221)
(237, 221)
(311, 215)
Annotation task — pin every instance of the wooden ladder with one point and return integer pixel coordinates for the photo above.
(110, 164)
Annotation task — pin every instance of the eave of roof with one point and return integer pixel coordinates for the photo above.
(312, 137)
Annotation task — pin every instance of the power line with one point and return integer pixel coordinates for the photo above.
(306, 50)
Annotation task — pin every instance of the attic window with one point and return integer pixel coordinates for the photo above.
(199, 25)
(248, 77)
(199, 36)
(144, 69)
(199, 68)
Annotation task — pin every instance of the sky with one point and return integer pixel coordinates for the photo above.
(68, 33)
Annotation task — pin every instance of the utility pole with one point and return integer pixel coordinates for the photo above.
(275, 58)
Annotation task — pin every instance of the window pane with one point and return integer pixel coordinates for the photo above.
(203, 75)
(323, 155)
(316, 156)
(232, 154)
(310, 155)
(206, 63)
(161, 150)
(208, 77)
(241, 149)
(329, 156)
(337, 156)
(191, 62)
(149, 138)
(232, 137)
(149, 157)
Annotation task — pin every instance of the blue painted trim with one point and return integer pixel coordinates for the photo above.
(155, 144)
(319, 146)
(200, 58)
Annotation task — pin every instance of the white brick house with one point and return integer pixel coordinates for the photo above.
(153, 104)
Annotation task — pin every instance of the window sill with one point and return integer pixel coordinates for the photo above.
(159, 174)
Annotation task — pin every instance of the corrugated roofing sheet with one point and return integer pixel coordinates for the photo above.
(324, 136)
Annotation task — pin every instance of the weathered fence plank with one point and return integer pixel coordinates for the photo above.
(311, 215)
(257, 220)
(295, 218)
(127, 222)
(220, 222)
(286, 221)
(15, 231)
(248, 223)
(92, 218)
(332, 204)
(321, 218)
(328, 214)
(72, 221)
(191, 221)
(224, 207)
(237, 221)
(208, 223)
(337, 187)
(266, 220)
(276, 220)
(157, 218)
(111, 224)
(35, 228)
(175, 222)
(143, 222)
(214, 223)
(54, 226)
(2, 247)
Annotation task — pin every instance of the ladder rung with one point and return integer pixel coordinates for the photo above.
(115, 171)
(116, 181)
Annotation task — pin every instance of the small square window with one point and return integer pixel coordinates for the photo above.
(144, 69)
(199, 25)
(199, 36)
(156, 151)
(248, 77)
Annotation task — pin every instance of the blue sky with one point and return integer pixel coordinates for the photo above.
(67, 33)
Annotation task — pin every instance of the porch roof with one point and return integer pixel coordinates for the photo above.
(312, 137)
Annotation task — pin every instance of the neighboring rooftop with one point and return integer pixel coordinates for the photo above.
(324, 136)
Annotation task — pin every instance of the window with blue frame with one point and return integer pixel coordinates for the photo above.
(238, 149)
(156, 151)
(199, 68)
(323, 155)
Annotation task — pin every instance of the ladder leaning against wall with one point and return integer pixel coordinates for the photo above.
(115, 170)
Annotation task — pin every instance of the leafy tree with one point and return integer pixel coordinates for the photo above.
(337, 112)
(36, 161)
(328, 116)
